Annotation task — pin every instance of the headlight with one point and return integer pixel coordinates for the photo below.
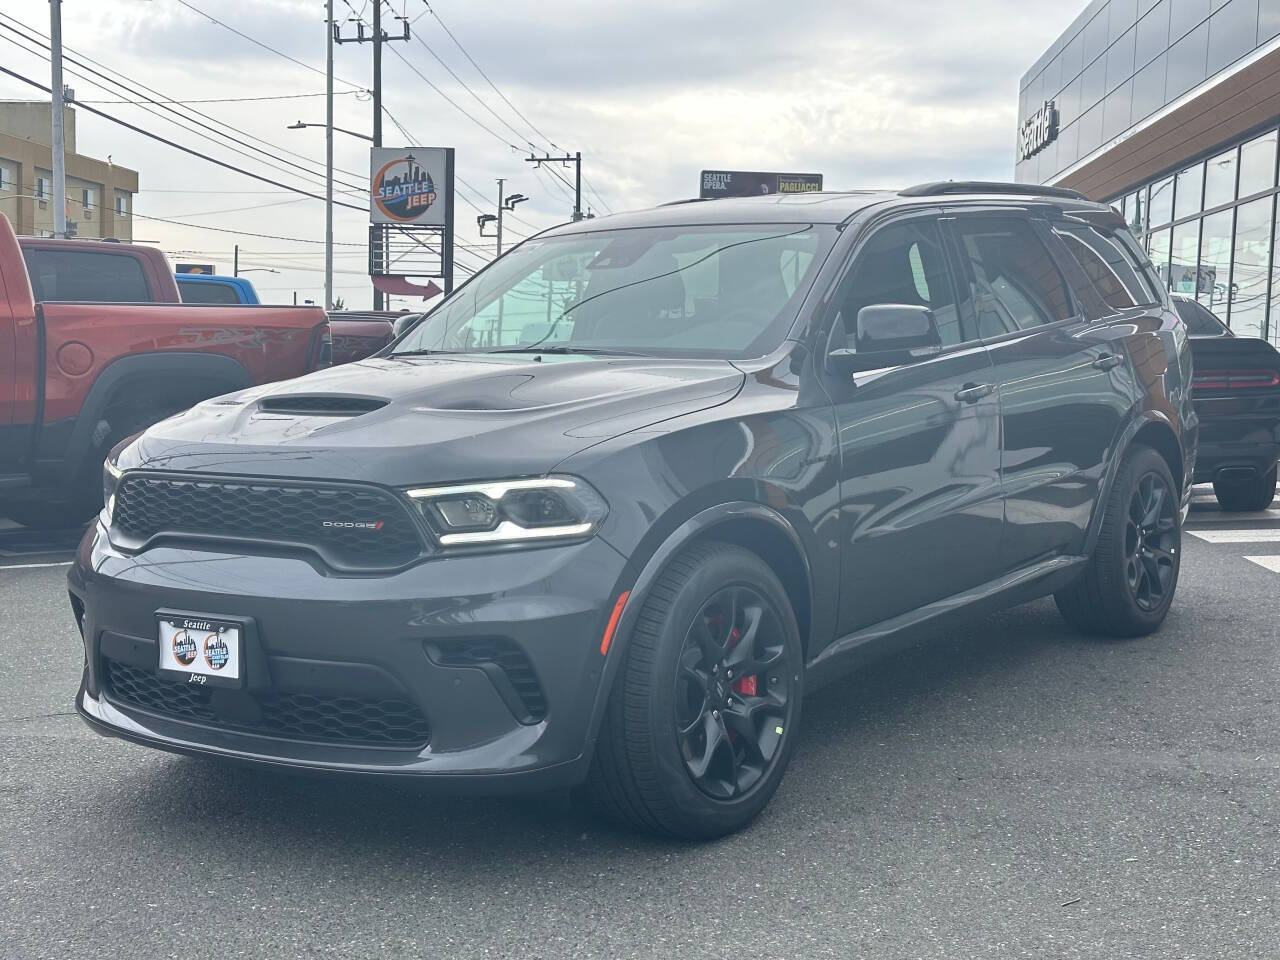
(110, 481)
(511, 511)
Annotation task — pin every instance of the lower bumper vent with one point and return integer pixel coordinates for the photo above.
(507, 667)
(311, 717)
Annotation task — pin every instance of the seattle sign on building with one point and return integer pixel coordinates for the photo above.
(1038, 131)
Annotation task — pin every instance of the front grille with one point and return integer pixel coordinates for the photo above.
(504, 661)
(297, 716)
(350, 527)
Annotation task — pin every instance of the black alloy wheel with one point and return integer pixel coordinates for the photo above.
(1150, 541)
(1127, 585)
(704, 710)
(732, 689)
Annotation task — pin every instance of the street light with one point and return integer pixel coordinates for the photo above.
(512, 200)
(258, 270)
(302, 126)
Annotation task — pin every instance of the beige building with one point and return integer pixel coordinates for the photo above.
(99, 193)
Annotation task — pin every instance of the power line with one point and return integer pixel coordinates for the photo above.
(506, 99)
(290, 165)
(184, 149)
(278, 96)
(264, 46)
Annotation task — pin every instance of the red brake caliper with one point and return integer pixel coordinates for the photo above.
(743, 686)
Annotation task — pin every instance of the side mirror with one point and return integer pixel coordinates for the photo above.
(404, 322)
(889, 335)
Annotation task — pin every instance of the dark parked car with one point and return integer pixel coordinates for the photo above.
(1236, 391)
(616, 505)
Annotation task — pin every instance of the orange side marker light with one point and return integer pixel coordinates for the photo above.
(613, 621)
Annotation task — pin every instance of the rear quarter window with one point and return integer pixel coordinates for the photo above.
(208, 293)
(86, 276)
(1120, 277)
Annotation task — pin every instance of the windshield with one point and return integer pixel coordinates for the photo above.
(727, 291)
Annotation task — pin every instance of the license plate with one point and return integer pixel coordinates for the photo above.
(201, 650)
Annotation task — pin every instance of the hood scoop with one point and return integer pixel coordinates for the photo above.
(321, 405)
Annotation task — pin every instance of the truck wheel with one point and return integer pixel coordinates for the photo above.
(1236, 496)
(1128, 584)
(705, 707)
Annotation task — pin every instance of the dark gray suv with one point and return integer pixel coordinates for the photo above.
(611, 509)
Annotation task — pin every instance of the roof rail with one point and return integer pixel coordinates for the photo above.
(676, 203)
(941, 188)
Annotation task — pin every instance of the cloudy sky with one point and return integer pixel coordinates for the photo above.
(866, 93)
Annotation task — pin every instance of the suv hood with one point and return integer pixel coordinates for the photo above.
(432, 419)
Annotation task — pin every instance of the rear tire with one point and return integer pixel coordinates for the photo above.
(705, 706)
(1240, 496)
(1129, 582)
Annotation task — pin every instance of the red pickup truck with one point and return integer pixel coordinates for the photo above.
(78, 374)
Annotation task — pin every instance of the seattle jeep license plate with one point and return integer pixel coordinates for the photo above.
(200, 650)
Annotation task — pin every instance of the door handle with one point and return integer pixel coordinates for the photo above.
(1107, 361)
(973, 392)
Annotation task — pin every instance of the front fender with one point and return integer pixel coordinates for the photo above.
(641, 576)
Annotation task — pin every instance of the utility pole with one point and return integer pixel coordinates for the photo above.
(501, 181)
(328, 157)
(378, 37)
(56, 100)
(506, 204)
(576, 160)
(235, 261)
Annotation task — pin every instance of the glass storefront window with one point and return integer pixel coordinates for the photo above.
(1220, 180)
(1188, 192)
(1135, 209)
(1250, 273)
(1258, 165)
(1214, 275)
(1158, 250)
(1160, 207)
(1184, 258)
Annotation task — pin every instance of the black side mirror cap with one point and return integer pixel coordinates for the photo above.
(889, 335)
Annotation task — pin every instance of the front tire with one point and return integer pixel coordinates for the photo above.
(1241, 496)
(1128, 585)
(705, 707)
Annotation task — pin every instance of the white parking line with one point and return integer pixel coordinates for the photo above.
(1269, 563)
(1237, 536)
(33, 566)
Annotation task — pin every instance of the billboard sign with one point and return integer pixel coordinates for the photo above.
(410, 185)
(193, 268)
(716, 184)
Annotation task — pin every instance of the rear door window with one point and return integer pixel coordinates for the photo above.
(1016, 285)
(86, 276)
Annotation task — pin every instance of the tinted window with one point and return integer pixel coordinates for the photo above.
(1016, 284)
(208, 293)
(1111, 268)
(86, 275)
(1200, 322)
(903, 263)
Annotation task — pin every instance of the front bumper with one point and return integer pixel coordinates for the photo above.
(319, 637)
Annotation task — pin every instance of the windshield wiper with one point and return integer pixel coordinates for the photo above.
(417, 353)
(565, 348)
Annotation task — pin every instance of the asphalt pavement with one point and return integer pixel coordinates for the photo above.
(1010, 789)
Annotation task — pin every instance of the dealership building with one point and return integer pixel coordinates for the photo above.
(1169, 110)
